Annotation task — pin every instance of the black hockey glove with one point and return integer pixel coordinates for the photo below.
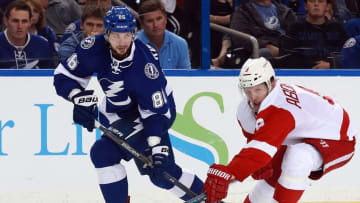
(85, 109)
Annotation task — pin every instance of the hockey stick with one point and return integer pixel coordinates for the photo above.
(197, 199)
(112, 135)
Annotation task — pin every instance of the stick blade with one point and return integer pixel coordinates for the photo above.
(197, 199)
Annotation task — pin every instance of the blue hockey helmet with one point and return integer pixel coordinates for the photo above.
(119, 19)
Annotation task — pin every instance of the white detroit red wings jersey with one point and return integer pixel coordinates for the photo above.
(288, 115)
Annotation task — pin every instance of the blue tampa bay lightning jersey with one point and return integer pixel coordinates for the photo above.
(36, 53)
(350, 53)
(135, 85)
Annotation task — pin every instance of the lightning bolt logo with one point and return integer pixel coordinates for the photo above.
(114, 88)
(137, 128)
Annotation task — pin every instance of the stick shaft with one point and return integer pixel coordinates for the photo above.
(197, 199)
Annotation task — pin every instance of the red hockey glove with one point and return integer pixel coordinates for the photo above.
(263, 173)
(217, 183)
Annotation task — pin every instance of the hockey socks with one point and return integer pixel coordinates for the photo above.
(284, 195)
(116, 192)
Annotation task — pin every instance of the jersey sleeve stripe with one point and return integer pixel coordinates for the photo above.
(262, 146)
(62, 70)
(168, 89)
(344, 126)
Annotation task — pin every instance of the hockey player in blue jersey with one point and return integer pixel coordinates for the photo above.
(139, 103)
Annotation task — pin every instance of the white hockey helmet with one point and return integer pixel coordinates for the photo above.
(256, 71)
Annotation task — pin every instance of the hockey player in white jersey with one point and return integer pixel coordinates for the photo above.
(139, 104)
(293, 133)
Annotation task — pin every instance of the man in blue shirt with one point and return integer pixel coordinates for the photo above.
(173, 50)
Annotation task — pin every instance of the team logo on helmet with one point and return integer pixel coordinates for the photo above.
(151, 71)
(88, 42)
(119, 19)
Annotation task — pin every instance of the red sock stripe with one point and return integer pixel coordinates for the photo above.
(284, 195)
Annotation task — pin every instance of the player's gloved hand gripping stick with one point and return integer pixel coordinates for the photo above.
(216, 185)
(85, 109)
(112, 135)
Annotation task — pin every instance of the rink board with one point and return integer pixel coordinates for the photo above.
(44, 157)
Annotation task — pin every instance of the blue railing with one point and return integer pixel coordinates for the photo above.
(203, 72)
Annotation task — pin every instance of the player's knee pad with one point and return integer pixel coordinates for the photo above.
(299, 160)
(104, 153)
(262, 193)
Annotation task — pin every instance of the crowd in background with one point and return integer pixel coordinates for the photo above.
(318, 34)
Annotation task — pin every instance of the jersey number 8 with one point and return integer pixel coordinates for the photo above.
(158, 99)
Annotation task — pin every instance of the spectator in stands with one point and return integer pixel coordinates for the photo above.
(337, 12)
(353, 6)
(74, 28)
(44, 3)
(174, 16)
(3, 5)
(92, 23)
(266, 20)
(60, 13)
(220, 13)
(337, 9)
(192, 31)
(173, 50)
(18, 48)
(311, 42)
(38, 24)
(350, 53)
(296, 5)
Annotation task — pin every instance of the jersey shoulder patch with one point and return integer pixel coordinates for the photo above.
(350, 43)
(88, 42)
(151, 71)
